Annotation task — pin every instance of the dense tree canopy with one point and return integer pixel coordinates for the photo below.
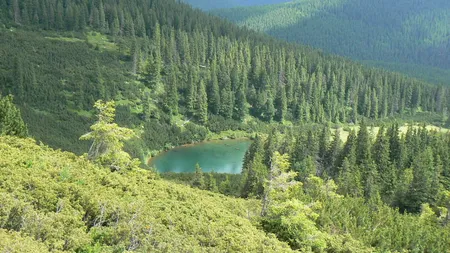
(179, 76)
(182, 72)
(405, 37)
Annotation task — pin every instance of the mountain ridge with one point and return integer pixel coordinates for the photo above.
(381, 31)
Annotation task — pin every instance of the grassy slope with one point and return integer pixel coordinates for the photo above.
(350, 28)
(59, 201)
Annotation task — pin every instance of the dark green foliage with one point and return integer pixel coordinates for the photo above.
(196, 75)
(424, 187)
(160, 135)
(403, 171)
(215, 182)
(254, 170)
(363, 144)
(199, 180)
(158, 73)
(396, 36)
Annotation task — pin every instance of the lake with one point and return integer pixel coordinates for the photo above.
(218, 156)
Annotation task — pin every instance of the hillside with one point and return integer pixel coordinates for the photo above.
(56, 201)
(380, 31)
(179, 75)
(131, 78)
(216, 4)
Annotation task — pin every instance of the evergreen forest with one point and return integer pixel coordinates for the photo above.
(404, 36)
(91, 89)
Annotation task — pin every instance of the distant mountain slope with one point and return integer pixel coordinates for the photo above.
(395, 32)
(217, 4)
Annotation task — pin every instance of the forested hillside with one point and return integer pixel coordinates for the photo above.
(381, 33)
(170, 75)
(366, 186)
(58, 202)
(181, 74)
(216, 4)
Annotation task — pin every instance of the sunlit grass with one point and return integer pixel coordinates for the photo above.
(65, 39)
(101, 41)
(345, 131)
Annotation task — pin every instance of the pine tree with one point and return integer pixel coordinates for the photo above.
(202, 103)
(349, 181)
(269, 109)
(306, 168)
(199, 179)
(254, 171)
(11, 122)
(102, 20)
(371, 185)
(240, 107)
(192, 91)
(108, 137)
(386, 171)
(270, 146)
(19, 87)
(332, 155)
(281, 103)
(212, 183)
(374, 108)
(278, 183)
(154, 64)
(225, 186)
(324, 143)
(421, 189)
(213, 92)
(135, 55)
(226, 97)
(171, 97)
(363, 145)
(395, 146)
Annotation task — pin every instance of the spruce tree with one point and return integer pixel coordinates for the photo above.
(332, 155)
(171, 97)
(280, 103)
(324, 143)
(202, 103)
(213, 92)
(254, 171)
(240, 107)
(212, 183)
(386, 171)
(421, 189)
(363, 145)
(199, 179)
(11, 122)
(107, 139)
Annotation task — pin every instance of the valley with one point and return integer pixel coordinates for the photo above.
(151, 126)
(404, 37)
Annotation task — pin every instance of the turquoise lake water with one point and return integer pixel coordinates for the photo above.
(218, 156)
